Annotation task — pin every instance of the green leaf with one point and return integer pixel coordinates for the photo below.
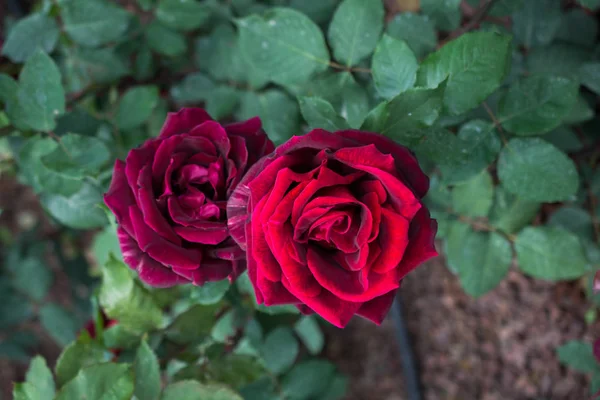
(565, 139)
(136, 106)
(284, 44)
(100, 382)
(579, 356)
(319, 113)
(78, 120)
(445, 13)
(25, 391)
(574, 219)
(511, 213)
(84, 67)
(438, 145)
(233, 370)
(8, 88)
(484, 262)
(192, 390)
(591, 4)
(106, 243)
(557, 59)
(183, 15)
(319, 11)
(550, 253)
(59, 323)
(537, 23)
(480, 144)
(475, 65)
(147, 373)
(40, 377)
(77, 156)
(126, 300)
(536, 170)
(32, 277)
(581, 112)
(14, 309)
(394, 67)
(93, 22)
(280, 350)
(578, 27)
(279, 113)
(414, 109)
(193, 325)
(474, 198)
(220, 55)
(418, 31)
(165, 41)
(194, 88)
(590, 76)
(227, 326)
(77, 355)
(79, 210)
(348, 98)
(210, 292)
(307, 379)
(223, 101)
(337, 389)
(307, 328)
(355, 29)
(454, 244)
(117, 337)
(262, 389)
(36, 31)
(40, 97)
(35, 174)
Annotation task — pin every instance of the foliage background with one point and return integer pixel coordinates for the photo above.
(503, 118)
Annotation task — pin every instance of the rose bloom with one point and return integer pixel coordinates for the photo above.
(169, 198)
(332, 222)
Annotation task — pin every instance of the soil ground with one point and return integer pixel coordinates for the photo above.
(499, 347)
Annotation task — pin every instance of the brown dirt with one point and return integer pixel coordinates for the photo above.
(499, 347)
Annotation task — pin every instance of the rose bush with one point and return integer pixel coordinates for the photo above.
(169, 198)
(332, 222)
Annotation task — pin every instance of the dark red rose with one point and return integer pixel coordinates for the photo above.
(169, 198)
(332, 222)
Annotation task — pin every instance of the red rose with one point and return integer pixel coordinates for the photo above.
(332, 222)
(169, 198)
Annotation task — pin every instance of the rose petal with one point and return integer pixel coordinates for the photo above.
(160, 249)
(333, 309)
(120, 197)
(393, 239)
(152, 216)
(351, 286)
(406, 163)
(376, 309)
(150, 271)
(138, 159)
(211, 271)
(183, 121)
(265, 262)
(195, 234)
(367, 155)
(421, 244)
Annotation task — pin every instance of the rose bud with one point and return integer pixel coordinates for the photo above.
(169, 198)
(332, 222)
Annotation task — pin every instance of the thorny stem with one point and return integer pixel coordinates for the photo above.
(595, 223)
(60, 143)
(481, 225)
(349, 69)
(478, 17)
(495, 121)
